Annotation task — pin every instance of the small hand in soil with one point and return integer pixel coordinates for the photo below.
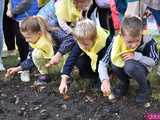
(66, 97)
(8, 77)
(106, 94)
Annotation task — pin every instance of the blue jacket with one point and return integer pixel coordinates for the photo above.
(48, 13)
(23, 8)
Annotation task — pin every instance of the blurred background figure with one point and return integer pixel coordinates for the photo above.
(9, 33)
(1, 34)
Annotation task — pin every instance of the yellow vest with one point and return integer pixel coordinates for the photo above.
(99, 44)
(44, 45)
(67, 11)
(42, 2)
(119, 47)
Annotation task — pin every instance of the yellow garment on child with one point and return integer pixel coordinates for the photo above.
(45, 46)
(42, 2)
(99, 44)
(119, 47)
(67, 11)
(43, 51)
(41, 62)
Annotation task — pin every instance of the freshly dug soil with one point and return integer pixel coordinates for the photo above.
(18, 101)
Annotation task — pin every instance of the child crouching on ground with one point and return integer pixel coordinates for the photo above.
(61, 44)
(132, 56)
(91, 41)
(36, 32)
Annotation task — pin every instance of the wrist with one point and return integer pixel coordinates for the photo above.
(64, 78)
(19, 68)
(58, 54)
(105, 81)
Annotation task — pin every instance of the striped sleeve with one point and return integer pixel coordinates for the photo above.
(154, 52)
(104, 64)
(149, 56)
(106, 58)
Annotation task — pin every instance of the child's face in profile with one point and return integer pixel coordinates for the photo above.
(132, 42)
(31, 37)
(86, 43)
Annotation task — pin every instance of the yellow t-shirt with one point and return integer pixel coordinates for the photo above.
(45, 47)
(99, 44)
(67, 11)
(119, 47)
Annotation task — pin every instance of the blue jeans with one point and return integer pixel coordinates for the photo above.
(135, 70)
(1, 28)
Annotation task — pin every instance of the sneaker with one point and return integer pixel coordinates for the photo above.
(12, 53)
(121, 89)
(25, 76)
(42, 80)
(1, 67)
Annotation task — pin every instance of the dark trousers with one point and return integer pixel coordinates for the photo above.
(22, 45)
(105, 17)
(84, 66)
(106, 20)
(135, 70)
(85, 71)
(9, 30)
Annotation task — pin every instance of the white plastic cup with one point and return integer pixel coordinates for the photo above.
(25, 76)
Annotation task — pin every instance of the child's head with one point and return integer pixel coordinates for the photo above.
(132, 30)
(32, 28)
(82, 4)
(85, 32)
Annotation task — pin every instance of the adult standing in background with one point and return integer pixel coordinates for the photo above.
(19, 10)
(9, 32)
(1, 34)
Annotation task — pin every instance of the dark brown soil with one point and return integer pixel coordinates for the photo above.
(18, 101)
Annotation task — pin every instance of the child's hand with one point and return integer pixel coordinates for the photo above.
(55, 60)
(128, 55)
(105, 87)
(12, 71)
(63, 88)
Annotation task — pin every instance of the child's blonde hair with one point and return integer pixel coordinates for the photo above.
(133, 25)
(85, 29)
(35, 24)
